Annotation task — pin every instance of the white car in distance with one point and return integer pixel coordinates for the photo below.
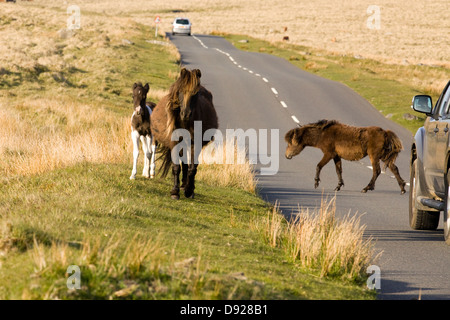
(181, 26)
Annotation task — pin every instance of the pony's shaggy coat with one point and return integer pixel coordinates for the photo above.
(339, 141)
(186, 102)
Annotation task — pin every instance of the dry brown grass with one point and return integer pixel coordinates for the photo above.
(7, 239)
(50, 134)
(409, 30)
(52, 130)
(34, 37)
(109, 257)
(143, 258)
(45, 133)
(320, 241)
(42, 127)
(214, 170)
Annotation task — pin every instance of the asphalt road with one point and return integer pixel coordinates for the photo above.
(260, 91)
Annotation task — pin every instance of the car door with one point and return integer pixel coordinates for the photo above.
(436, 128)
(442, 142)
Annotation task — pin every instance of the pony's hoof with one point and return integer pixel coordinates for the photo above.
(152, 176)
(133, 177)
(175, 193)
(337, 189)
(402, 188)
(188, 194)
(316, 184)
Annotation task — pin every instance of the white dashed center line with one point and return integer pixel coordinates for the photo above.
(200, 41)
(274, 91)
(295, 119)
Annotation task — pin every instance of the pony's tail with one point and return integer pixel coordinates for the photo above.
(170, 125)
(392, 147)
(166, 160)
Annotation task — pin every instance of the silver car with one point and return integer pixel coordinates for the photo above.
(430, 165)
(181, 25)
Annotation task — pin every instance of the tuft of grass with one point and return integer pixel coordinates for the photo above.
(143, 270)
(214, 170)
(321, 242)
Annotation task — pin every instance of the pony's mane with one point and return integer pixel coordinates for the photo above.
(311, 127)
(184, 88)
(323, 124)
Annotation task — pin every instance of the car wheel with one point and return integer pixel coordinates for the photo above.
(419, 219)
(447, 208)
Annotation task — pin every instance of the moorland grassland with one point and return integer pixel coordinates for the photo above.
(65, 106)
(408, 33)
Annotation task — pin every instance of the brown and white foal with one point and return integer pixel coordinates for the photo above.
(140, 131)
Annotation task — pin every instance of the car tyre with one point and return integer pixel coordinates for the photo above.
(419, 219)
(447, 208)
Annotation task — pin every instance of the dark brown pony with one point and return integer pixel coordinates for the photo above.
(339, 141)
(187, 101)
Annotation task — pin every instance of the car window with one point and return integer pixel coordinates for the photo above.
(446, 108)
(182, 21)
(445, 103)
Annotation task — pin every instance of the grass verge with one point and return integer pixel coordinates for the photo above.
(319, 241)
(132, 242)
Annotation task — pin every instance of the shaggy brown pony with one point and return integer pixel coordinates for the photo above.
(187, 101)
(339, 141)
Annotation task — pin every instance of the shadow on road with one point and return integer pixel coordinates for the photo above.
(400, 290)
(406, 235)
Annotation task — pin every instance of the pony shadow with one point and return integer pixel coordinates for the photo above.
(401, 290)
(291, 201)
(406, 235)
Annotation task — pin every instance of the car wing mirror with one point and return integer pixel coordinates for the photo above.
(422, 104)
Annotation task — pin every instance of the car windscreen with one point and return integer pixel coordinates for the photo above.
(182, 21)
